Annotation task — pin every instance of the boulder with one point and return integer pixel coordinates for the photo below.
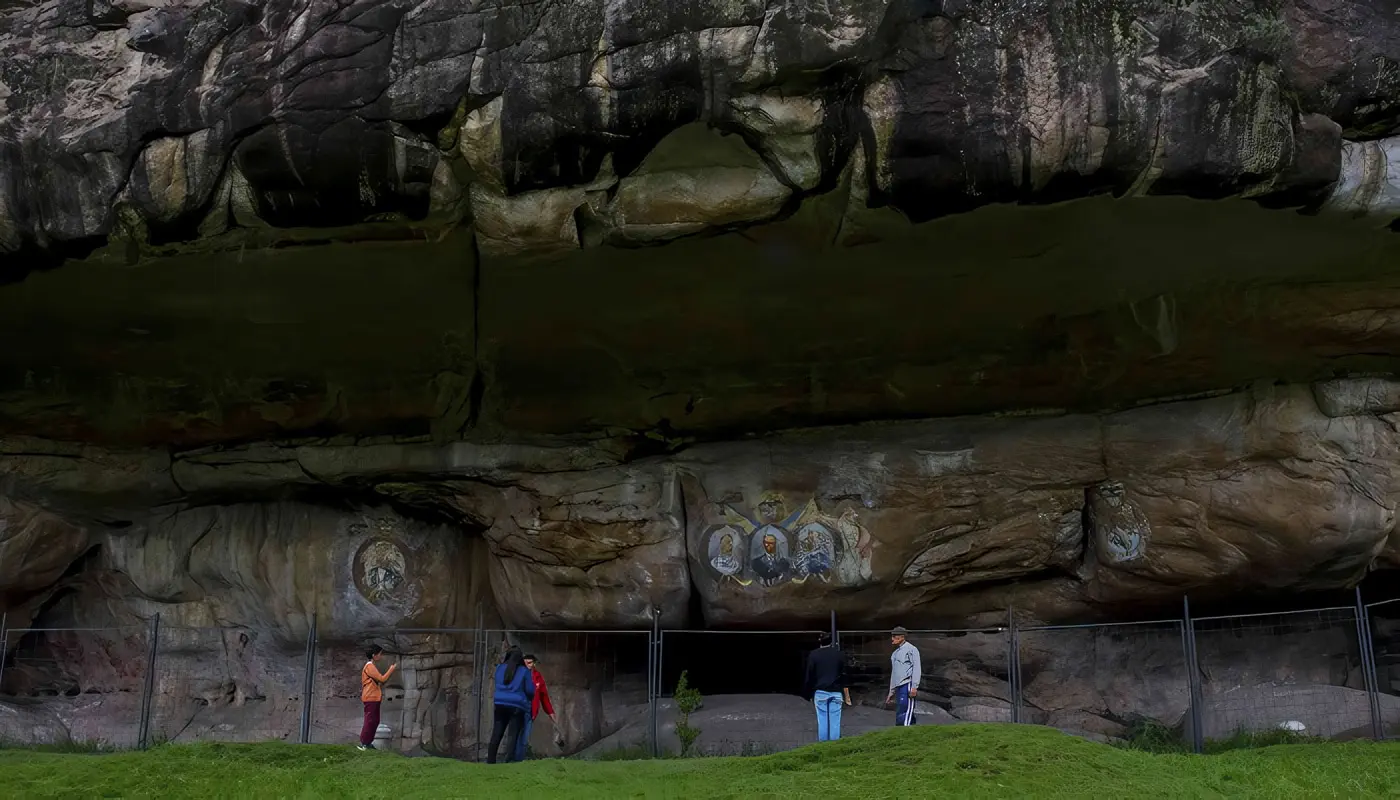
(36, 548)
(598, 548)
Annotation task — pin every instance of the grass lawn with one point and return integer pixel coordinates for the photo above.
(947, 761)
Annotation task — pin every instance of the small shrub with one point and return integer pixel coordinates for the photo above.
(86, 746)
(687, 700)
(1151, 736)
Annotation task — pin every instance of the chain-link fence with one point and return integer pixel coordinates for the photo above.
(1383, 641)
(596, 683)
(225, 684)
(1107, 682)
(428, 703)
(1171, 684)
(1299, 671)
(751, 685)
(966, 676)
(80, 688)
(336, 712)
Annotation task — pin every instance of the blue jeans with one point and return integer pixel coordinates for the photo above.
(524, 740)
(903, 706)
(828, 715)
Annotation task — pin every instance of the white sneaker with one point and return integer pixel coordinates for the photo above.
(363, 747)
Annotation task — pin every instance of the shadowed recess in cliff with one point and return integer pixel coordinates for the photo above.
(1079, 306)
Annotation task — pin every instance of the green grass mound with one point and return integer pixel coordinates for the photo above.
(947, 761)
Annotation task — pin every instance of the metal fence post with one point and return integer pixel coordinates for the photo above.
(1013, 664)
(478, 667)
(654, 660)
(148, 695)
(4, 644)
(308, 684)
(1193, 675)
(1368, 666)
(651, 689)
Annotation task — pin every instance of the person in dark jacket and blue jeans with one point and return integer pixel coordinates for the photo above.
(826, 685)
(515, 690)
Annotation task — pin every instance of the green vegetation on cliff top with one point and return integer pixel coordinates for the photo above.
(951, 761)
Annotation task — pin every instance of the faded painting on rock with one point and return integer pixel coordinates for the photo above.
(1120, 530)
(770, 546)
(725, 549)
(769, 556)
(380, 567)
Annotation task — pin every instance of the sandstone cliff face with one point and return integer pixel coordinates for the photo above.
(1065, 517)
(409, 314)
(160, 122)
(228, 154)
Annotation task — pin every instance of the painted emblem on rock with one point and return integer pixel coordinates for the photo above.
(380, 570)
(816, 550)
(725, 549)
(1121, 530)
(782, 547)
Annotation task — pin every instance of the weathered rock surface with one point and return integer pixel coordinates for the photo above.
(396, 315)
(227, 153)
(36, 548)
(1246, 492)
(1063, 516)
(200, 120)
(603, 546)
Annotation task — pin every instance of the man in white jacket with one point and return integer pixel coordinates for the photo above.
(905, 672)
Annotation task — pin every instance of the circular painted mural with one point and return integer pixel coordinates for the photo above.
(380, 570)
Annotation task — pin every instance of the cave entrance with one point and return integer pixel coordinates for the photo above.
(736, 662)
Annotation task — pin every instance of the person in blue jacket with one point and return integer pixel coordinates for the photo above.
(515, 688)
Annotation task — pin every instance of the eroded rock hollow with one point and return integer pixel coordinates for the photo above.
(425, 315)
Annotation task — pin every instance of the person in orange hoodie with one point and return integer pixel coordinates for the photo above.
(372, 694)
(541, 700)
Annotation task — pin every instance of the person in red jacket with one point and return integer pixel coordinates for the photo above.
(541, 701)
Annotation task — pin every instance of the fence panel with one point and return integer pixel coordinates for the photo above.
(966, 677)
(1108, 682)
(1302, 670)
(427, 703)
(751, 686)
(75, 687)
(1385, 641)
(597, 683)
(1296, 670)
(226, 685)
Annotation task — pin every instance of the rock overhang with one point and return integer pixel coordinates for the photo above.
(614, 233)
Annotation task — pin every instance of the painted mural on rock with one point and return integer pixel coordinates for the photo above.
(775, 543)
(380, 570)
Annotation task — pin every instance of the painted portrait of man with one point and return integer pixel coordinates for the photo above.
(771, 566)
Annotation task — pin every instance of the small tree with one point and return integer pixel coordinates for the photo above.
(687, 700)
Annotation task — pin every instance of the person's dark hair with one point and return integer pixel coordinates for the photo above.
(372, 652)
(530, 657)
(824, 639)
(514, 660)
